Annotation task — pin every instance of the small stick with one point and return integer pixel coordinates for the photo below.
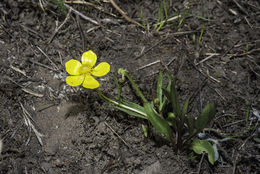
(201, 160)
(205, 59)
(45, 66)
(47, 57)
(244, 54)
(116, 134)
(150, 64)
(179, 33)
(124, 14)
(169, 20)
(151, 48)
(28, 122)
(90, 4)
(207, 76)
(31, 31)
(168, 64)
(81, 33)
(80, 14)
(24, 89)
(18, 70)
(58, 28)
(233, 123)
(240, 7)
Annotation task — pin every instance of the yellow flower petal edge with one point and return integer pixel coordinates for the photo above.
(75, 80)
(90, 82)
(73, 67)
(101, 70)
(89, 58)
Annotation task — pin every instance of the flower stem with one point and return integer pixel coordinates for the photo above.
(137, 89)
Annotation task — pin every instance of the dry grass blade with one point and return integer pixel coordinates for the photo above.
(90, 4)
(1, 146)
(28, 122)
(124, 14)
(58, 28)
(18, 70)
(116, 134)
(81, 15)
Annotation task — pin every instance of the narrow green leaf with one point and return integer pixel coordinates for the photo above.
(132, 109)
(203, 146)
(215, 151)
(165, 10)
(159, 87)
(158, 122)
(131, 112)
(172, 96)
(185, 107)
(145, 130)
(190, 123)
(205, 117)
(163, 105)
(164, 100)
(170, 79)
(133, 105)
(119, 89)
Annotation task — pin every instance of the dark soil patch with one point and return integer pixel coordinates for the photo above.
(75, 122)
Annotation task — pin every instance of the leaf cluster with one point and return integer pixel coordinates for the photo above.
(168, 116)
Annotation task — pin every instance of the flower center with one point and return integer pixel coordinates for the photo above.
(85, 69)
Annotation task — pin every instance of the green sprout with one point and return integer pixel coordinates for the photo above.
(61, 6)
(247, 48)
(175, 124)
(162, 16)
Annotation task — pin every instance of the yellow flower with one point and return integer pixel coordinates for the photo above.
(82, 73)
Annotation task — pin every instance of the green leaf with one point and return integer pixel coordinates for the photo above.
(131, 109)
(172, 95)
(145, 130)
(159, 87)
(160, 124)
(205, 117)
(190, 124)
(185, 107)
(164, 98)
(203, 146)
(119, 89)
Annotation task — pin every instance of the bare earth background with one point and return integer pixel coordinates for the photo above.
(75, 128)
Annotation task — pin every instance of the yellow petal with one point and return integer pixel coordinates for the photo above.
(73, 67)
(89, 58)
(101, 70)
(90, 82)
(74, 80)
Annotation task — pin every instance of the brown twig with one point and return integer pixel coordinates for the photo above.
(117, 134)
(151, 48)
(58, 28)
(90, 4)
(48, 58)
(240, 7)
(81, 33)
(201, 160)
(124, 14)
(81, 15)
(246, 53)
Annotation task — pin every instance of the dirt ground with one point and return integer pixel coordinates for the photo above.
(47, 126)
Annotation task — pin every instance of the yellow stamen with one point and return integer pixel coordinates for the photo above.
(85, 69)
